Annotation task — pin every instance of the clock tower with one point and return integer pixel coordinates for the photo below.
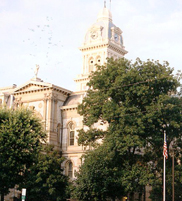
(103, 39)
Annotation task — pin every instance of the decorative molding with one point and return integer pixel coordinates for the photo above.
(51, 96)
(95, 46)
(8, 88)
(74, 152)
(66, 108)
(116, 47)
(81, 79)
(42, 89)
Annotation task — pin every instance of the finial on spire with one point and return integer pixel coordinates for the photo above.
(104, 4)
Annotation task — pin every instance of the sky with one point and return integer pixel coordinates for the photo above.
(50, 32)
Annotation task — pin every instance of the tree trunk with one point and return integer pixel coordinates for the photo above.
(2, 196)
(144, 194)
(113, 198)
(130, 197)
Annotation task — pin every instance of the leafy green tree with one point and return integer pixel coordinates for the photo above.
(45, 180)
(21, 137)
(135, 102)
(106, 173)
(99, 176)
(171, 118)
(158, 182)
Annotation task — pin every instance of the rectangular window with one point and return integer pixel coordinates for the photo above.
(72, 134)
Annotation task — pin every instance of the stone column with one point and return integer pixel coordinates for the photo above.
(49, 115)
(45, 111)
(83, 69)
(18, 102)
(55, 113)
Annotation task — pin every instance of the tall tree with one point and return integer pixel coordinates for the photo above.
(99, 176)
(21, 137)
(135, 103)
(45, 180)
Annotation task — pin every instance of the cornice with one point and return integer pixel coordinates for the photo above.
(58, 89)
(69, 107)
(118, 48)
(93, 46)
(8, 87)
(32, 100)
(81, 79)
(74, 152)
(31, 91)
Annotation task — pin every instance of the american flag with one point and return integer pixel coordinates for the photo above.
(165, 148)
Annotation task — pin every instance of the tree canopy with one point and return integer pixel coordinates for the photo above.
(21, 137)
(26, 160)
(45, 180)
(99, 176)
(136, 102)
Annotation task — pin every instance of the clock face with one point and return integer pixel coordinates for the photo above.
(94, 34)
(116, 37)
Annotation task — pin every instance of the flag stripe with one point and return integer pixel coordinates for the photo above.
(165, 149)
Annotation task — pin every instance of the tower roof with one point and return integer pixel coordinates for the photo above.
(103, 26)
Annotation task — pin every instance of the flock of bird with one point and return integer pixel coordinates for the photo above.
(42, 44)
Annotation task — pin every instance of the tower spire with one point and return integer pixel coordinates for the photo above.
(104, 4)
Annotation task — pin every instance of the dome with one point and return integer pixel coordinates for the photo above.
(104, 14)
(103, 24)
(103, 29)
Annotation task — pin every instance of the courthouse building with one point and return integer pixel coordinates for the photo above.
(57, 106)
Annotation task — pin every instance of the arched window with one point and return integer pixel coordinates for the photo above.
(69, 169)
(98, 60)
(91, 64)
(71, 133)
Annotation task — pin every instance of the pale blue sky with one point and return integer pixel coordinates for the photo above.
(47, 32)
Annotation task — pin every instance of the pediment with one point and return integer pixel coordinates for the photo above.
(31, 86)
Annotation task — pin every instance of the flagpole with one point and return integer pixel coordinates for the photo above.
(164, 174)
(164, 180)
